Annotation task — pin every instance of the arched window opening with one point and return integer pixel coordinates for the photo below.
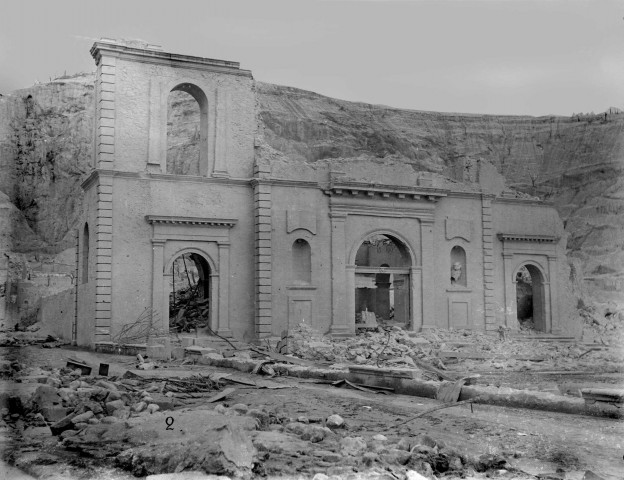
(85, 254)
(302, 261)
(382, 281)
(459, 272)
(530, 298)
(189, 293)
(185, 131)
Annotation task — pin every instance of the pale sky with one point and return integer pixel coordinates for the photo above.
(475, 56)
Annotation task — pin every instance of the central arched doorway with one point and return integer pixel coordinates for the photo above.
(382, 280)
(189, 293)
(530, 298)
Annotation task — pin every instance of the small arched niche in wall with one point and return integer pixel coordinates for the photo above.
(458, 273)
(301, 262)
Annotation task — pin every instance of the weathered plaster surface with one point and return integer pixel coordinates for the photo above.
(251, 203)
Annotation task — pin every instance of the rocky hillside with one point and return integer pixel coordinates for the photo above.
(577, 162)
(45, 149)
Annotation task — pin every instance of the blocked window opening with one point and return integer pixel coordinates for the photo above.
(85, 254)
(302, 262)
(185, 131)
(530, 298)
(459, 272)
(189, 293)
(382, 279)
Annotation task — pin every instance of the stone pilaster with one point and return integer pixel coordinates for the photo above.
(428, 256)
(263, 257)
(488, 263)
(105, 113)
(553, 274)
(157, 146)
(416, 298)
(510, 292)
(222, 133)
(103, 252)
(160, 302)
(340, 324)
(223, 326)
(74, 330)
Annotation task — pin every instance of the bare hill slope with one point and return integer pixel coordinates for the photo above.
(577, 163)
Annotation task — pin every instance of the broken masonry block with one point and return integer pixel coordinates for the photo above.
(63, 424)
(76, 364)
(54, 413)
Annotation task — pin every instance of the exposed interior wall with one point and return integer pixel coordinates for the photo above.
(86, 287)
(56, 314)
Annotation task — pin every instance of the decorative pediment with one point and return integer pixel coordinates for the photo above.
(456, 228)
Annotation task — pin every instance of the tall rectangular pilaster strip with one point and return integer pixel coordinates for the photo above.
(74, 330)
(105, 113)
(103, 252)
(263, 259)
(488, 263)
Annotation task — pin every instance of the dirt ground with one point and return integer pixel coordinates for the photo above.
(534, 444)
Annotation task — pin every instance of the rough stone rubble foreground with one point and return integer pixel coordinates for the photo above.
(125, 420)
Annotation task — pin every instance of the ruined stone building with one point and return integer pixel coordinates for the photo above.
(275, 241)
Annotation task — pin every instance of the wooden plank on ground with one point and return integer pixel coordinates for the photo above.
(430, 368)
(381, 372)
(221, 395)
(450, 392)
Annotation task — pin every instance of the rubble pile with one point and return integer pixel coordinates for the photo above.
(13, 338)
(68, 401)
(120, 422)
(334, 447)
(386, 346)
(189, 311)
(603, 323)
(394, 346)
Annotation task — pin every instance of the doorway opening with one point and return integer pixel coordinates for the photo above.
(189, 293)
(382, 281)
(530, 298)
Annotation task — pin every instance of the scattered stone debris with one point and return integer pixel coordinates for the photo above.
(464, 350)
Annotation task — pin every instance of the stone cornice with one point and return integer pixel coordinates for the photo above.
(422, 214)
(95, 174)
(522, 201)
(518, 237)
(175, 220)
(283, 182)
(149, 55)
(385, 191)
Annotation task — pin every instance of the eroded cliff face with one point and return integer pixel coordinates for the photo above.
(577, 163)
(46, 151)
